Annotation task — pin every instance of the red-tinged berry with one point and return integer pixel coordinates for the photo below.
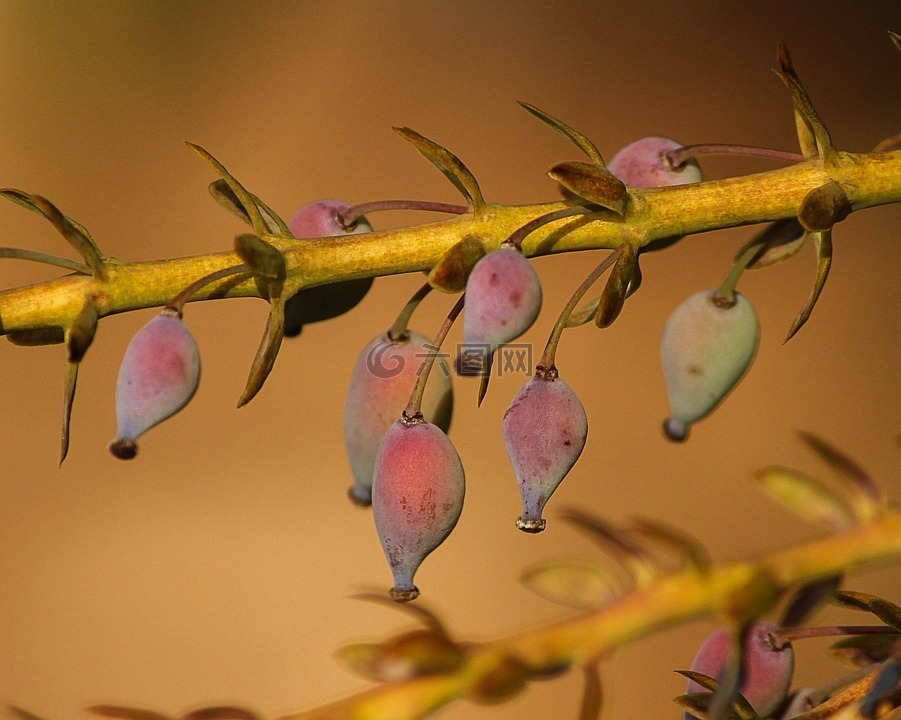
(158, 376)
(322, 218)
(766, 669)
(503, 298)
(708, 345)
(544, 429)
(417, 496)
(643, 164)
(380, 386)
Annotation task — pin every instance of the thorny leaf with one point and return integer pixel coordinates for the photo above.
(449, 164)
(267, 351)
(634, 557)
(868, 495)
(575, 584)
(778, 241)
(592, 692)
(812, 133)
(699, 704)
(807, 599)
(823, 242)
(74, 234)
(450, 273)
(862, 651)
(806, 497)
(592, 182)
(577, 138)
(224, 195)
(244, 197)
(78, 338)
(618, 283)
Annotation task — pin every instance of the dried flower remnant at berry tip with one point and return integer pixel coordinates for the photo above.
(158, 376)
(417, 497)
(382, 380)
(544, 428)
(707, 347)
(644, 164)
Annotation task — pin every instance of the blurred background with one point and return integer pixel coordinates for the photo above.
(217, 567)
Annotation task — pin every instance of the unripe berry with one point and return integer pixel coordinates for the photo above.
(643, 164)
(417, 496)
(544, 429)
(380, 386)
(503, 298)
(158, 376)
(767, 671)
(322, 219)
(707, 346)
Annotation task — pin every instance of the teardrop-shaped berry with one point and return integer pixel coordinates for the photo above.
(322, 302)
(380, 386)
(417, 496)
(158, 376)
(766, 670)
(544, 429)
(707, 347)
(643, 164)
(503, 298)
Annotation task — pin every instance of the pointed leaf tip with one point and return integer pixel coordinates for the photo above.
(267, 351)
(577, 138)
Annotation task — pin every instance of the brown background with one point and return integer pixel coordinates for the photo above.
(217, 566)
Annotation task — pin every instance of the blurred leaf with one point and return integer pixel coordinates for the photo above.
(823, 242)
(806, 497)
(893, 142)
(777, 242)
(577, 138)
(126, 713)
(615, 291)
(856, 600)
(22, 714)
(886, 611)
(634, 557)
(223, 712)
(862, 651)
(448, 163)
(242, 196)
(726, 694)
(575, 584)
(692, 552)
(417, 610)
(807, 599)
(895, 38)
(451, 272)
(889, 678)
(592, 182)
(266, 352)
(410, 655)
(224, 195)
(869, 497)
(812, 133)
(592, 693)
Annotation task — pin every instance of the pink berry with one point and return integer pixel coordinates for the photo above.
(767, 671)
(158, 376)
(643, 164)
(544, 429)
(503, 298)
(380, 386)
(322, 218)
(417, 496)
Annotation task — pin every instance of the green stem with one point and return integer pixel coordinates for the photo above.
(677, 157)
(725, 293)
(177, 303)
(398, 329)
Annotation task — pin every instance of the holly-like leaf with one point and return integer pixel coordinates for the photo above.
(592, 182)
(577, 138)
(823, 241)
(449, 164)
(806, 497)
(575, 584)
(450, 273)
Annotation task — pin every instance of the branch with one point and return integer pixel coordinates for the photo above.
(867, 179)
